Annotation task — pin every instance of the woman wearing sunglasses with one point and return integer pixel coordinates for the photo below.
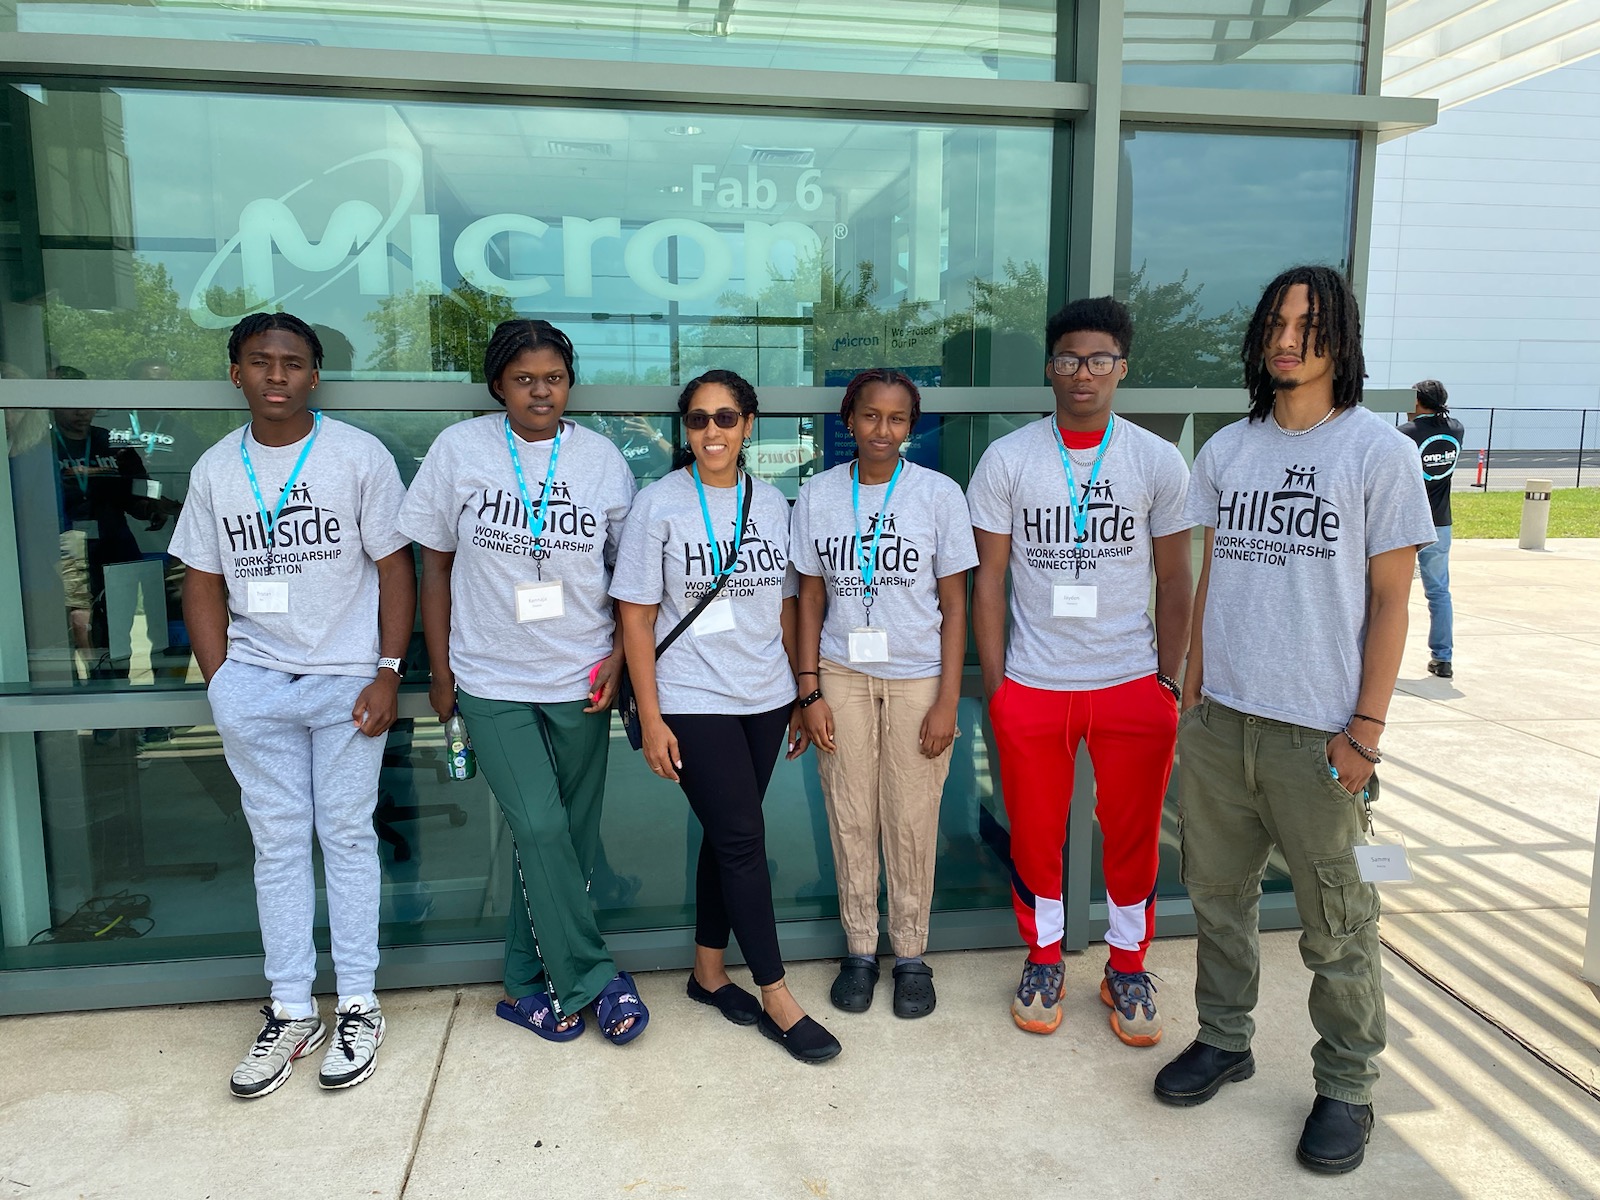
(883, 548)
(715, 707)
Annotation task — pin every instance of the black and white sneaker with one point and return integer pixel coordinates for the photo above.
(353, 1053)
(270, 1060)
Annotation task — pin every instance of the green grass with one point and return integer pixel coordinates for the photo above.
(1574, 512)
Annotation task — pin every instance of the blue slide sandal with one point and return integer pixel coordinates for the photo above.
(618, 1001)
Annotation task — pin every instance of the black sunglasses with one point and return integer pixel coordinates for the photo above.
(726, 418)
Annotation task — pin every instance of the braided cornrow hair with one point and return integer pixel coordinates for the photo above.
(1337, 318)
(884, 375)
(511, 338)
(744, 394)
(255, 323)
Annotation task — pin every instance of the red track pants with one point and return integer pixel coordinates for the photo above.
(1131, 730)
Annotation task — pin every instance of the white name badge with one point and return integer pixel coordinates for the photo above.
(1077, 600)
(540, 601)
(267, 596)
(89, 529)
(716, 617)
(869, 645)
(1383, 862)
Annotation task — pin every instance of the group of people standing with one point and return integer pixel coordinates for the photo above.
(734, 630)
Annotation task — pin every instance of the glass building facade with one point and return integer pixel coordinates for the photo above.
(780, 187)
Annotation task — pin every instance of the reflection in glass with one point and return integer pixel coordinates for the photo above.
(1204, 221)
(788, 249)
(984, 39)
(1276, 45)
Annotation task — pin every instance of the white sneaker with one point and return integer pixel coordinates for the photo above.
(270, 1060)
(353, 1053)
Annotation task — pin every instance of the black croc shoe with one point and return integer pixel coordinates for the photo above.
(805, 1039)
(852, 990)
(1335, 1137)
(1196, 1074)
(731, 1000)
(913, 990)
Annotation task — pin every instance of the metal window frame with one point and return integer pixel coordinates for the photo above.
(1088, 109)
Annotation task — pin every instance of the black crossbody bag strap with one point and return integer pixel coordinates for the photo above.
(700, 606)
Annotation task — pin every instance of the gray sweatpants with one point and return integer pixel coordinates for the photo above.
(301, 763)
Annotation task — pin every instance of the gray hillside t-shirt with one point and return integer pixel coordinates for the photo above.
(666, 559)
(339, 518)
(465, 500)
(1296, 520)
(926, 537)
(1019, 488)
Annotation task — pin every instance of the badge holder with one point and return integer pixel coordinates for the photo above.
(716, 617)
(541, 601)
(1078, 601)
(869, 645)
(266, 595)
(1383, 859)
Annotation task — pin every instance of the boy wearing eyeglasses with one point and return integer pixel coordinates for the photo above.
(1082, 506)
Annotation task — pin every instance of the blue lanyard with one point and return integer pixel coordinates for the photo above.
(535, 522)
(717, 571)
(255, 488)
(1080, 507)
(869, 556)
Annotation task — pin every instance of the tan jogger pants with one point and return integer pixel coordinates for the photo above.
(879, 787)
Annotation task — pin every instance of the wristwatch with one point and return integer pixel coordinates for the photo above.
(397, 665)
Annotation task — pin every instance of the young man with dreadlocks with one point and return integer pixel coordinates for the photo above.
(1313, 511)
(300, 597)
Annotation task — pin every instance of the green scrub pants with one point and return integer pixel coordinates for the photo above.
(546, 764)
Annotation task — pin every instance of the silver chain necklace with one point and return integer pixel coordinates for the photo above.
(1326, 417)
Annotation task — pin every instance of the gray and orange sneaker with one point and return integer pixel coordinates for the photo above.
(1036, 1007)
(1131, 997)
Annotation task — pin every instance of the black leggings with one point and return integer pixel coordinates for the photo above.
(727, 763)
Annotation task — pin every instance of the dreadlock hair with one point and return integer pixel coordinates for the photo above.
(887, 376)
(256, 323)
(744, 393)
(1336, 319)
(1431, 395)
(1101, 314)
(511, 338)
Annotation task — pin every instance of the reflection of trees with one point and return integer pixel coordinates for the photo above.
(1176, 343)
(103, 342)
(422, 332)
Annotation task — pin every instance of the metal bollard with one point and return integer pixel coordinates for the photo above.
(1535, 514)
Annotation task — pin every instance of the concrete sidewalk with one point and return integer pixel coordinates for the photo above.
(1489, 1085)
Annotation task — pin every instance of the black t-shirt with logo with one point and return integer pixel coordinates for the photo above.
(96, 481)
(1438, 437)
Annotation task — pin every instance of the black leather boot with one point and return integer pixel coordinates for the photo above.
(1335, 1137)
(1196, 1074)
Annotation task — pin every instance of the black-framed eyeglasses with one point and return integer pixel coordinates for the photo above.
(1066, 365)
(726, 418)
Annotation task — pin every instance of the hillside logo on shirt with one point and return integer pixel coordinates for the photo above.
(1109, 532)
(899, 558)
(762, 563)
(1272, 526)
(305, 533)
(503, 523)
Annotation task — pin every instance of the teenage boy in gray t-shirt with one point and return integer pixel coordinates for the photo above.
(298, 581)
(1083, 507)
(1313, 510)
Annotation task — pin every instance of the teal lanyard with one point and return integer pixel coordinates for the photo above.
(255, 487)
(868, 556)
(717, 571)
(80, 471)
(1079, 507)
(535, 520)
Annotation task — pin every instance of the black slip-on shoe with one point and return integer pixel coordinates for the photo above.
(913, 990)
(1441, 667)
(852, 989)
(805, 1039)
(1335, 1137)
(1196, 1074)
(731, 1000)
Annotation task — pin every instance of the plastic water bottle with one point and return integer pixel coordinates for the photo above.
(463, 763)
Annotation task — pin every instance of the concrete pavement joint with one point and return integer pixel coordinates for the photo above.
(427, 1100)
(1484, 1015)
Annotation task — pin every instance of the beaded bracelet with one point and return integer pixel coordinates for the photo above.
(1171, 684)
(1366, 752)
(808, 701)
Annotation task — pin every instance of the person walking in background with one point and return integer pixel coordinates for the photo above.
(300, 598)
(1438, 436)
(519, 515)
(883, 548)
(1313, 509)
